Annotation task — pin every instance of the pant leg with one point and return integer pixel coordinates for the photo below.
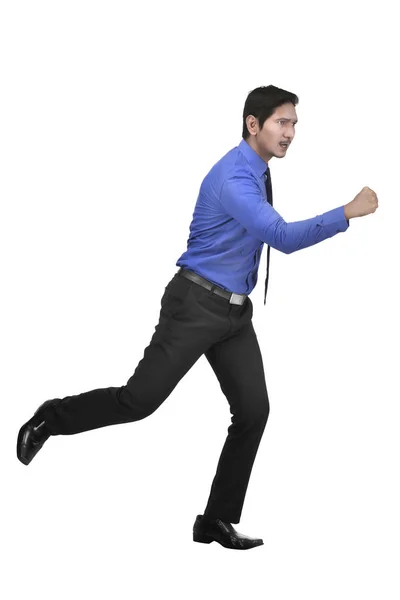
(184, 332)
(237, 363)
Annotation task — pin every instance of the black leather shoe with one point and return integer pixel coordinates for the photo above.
(207, 530)
(33, 435)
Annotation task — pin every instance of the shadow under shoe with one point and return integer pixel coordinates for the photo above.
(207, 530)
(32, 435)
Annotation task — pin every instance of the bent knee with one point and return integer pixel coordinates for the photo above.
(139, 408)
(257, 414)
(260, 411)
(263, 413)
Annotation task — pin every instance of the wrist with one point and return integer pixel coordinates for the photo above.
(347, 214)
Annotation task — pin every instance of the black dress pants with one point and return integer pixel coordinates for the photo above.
(193, 321)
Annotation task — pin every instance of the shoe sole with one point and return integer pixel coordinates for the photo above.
(203, 538)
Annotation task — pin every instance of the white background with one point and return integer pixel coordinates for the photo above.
(111, 115)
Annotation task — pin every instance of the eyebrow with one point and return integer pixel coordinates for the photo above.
(285, 119)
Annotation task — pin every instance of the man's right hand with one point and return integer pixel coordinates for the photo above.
(365, 203)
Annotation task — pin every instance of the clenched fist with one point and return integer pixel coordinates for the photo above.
(365, 203)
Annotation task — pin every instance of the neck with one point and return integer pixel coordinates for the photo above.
(266, 156)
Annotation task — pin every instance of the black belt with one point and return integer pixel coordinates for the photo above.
(231, 296)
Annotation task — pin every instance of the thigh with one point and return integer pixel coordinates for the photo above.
(183, 333)
(238, 365)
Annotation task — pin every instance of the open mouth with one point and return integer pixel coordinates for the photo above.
(283, 145)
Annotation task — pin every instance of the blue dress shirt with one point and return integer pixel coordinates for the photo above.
(232, 221)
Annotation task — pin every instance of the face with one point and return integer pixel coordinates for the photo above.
(279, 127)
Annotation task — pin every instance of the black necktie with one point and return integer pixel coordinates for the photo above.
(268, 187)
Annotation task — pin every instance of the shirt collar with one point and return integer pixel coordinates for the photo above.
(259, 165)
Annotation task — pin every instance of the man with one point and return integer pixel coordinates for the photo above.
(206, 309)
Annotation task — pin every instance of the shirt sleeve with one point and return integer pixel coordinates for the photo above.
(242, 199)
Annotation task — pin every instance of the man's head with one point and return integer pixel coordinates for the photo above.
(269, 118)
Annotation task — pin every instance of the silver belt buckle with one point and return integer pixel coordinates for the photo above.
(234, 297)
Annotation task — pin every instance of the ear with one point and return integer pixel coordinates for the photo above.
(252, 124)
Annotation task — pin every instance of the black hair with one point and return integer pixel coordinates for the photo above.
(262, 102)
